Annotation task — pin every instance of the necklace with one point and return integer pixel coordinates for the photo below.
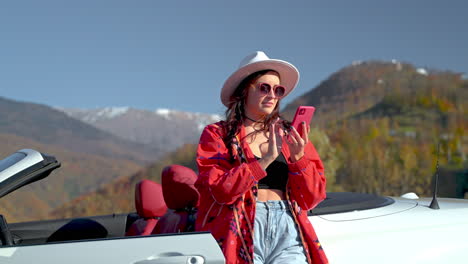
(253, 120)
(255, 125)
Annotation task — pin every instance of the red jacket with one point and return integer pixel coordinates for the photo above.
(228, 194)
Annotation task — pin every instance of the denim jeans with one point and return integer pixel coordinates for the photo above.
(276, 236)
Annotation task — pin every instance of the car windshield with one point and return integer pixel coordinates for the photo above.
(10, 160)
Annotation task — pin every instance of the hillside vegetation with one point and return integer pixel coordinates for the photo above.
(385, 121)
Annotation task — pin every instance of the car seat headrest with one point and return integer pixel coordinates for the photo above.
(149, 201)
(178, 187)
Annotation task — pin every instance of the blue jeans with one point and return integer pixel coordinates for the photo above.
(276, 237)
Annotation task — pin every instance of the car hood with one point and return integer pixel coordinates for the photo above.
(407, 231)
(401, 205)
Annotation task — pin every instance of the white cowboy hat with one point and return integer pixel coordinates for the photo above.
(259, 61)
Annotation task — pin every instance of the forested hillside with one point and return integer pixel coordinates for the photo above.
(385, 121)
(89, 157)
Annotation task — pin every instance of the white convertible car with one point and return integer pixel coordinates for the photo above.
(352, 227)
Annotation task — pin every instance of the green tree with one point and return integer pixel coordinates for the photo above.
(328, 155)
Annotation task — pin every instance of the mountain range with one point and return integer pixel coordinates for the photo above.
(363, 84)
(90, 156)
(163, 129)
(391, 110)
(376, 126)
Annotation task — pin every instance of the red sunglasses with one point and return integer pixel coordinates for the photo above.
(278, 90)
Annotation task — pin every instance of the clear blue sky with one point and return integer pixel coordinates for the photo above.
(177, 54)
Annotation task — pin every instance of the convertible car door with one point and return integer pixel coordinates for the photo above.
(191, 248)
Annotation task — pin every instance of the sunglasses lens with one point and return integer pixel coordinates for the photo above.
(279, 91)
(265, 88)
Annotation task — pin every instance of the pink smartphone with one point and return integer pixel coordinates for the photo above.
(303, 114)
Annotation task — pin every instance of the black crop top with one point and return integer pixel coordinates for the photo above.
(277, 175)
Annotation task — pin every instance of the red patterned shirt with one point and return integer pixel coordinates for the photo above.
(228, 194)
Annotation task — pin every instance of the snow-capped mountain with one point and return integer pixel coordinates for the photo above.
(164, 128)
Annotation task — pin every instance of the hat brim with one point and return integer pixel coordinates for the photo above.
(289, 76)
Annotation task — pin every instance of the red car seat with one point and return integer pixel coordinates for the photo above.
(181, 196)
(150, 206)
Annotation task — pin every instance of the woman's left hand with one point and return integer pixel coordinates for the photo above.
(297, 142)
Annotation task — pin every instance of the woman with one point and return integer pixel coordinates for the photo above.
(257, 175)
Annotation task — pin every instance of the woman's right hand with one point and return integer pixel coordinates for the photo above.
(275, 142)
